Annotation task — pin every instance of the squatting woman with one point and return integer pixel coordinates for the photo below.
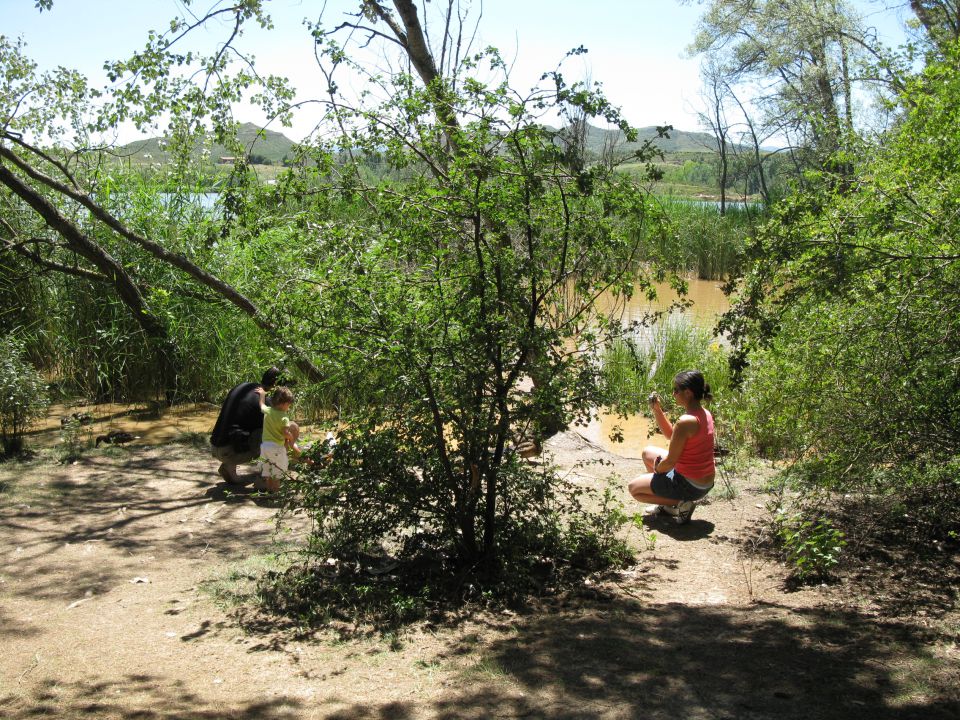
(678, 477)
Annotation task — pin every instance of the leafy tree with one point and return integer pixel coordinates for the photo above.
(851, 312)
(802, 62)
(940, 19)
(462, 302)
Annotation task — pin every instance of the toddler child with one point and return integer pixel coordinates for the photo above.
(277, 433)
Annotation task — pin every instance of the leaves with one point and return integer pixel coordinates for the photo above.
(850, 308)
(23, 393)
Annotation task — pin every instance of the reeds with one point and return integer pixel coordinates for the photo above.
(634, 367)
(698, 239)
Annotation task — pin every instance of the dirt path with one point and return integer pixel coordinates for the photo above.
(108, 610)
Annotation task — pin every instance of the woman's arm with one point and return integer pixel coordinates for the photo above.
(686, 427)
(662, 422)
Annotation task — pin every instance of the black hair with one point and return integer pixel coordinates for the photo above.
(694, 381)
(270, 377)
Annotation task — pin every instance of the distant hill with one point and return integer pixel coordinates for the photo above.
(263, 147)
(679, 141)
(269, 147)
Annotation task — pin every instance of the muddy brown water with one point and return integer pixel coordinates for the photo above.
(152, 426)
(708, 302)
(156, 426)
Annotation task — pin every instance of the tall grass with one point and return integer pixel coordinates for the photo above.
(635, 367)
(83, 339)
(697, 238)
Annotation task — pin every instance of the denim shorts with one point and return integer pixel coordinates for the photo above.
(675, 486)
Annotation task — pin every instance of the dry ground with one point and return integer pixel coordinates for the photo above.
(109, 609)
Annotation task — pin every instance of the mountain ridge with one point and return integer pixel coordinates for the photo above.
(271, 147)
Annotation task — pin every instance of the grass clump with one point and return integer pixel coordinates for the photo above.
(699, 239)
(239, 584)
(635, 367)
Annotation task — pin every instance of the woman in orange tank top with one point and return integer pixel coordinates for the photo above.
(678, 477)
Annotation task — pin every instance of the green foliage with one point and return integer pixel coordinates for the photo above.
(856, 341)
(393, 567)
(594, 540)
(438, 295)
(918, 503)
(701, 173)
(23, 394)
(78, 331)
(73, 440)
(694, 175)
(681, 345)
(847, 325)
(812, 547)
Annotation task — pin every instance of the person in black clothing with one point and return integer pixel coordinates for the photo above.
(238, 431)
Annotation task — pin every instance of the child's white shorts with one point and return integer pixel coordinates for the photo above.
(273, 462)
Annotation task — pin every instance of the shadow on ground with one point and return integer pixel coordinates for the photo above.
(696, 529)
(628, 660)
(137, 697)
(618, 659)
(132, 502)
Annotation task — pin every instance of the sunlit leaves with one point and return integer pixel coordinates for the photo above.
(853, 292)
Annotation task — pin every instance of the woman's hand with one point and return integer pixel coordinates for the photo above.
(662, 422)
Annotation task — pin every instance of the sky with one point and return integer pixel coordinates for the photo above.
(636, 48)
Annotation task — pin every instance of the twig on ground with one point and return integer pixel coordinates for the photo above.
(33, 665)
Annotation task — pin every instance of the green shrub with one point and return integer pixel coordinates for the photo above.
(23, 394)
(378, 554)
(812, 547)
(73, 440)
